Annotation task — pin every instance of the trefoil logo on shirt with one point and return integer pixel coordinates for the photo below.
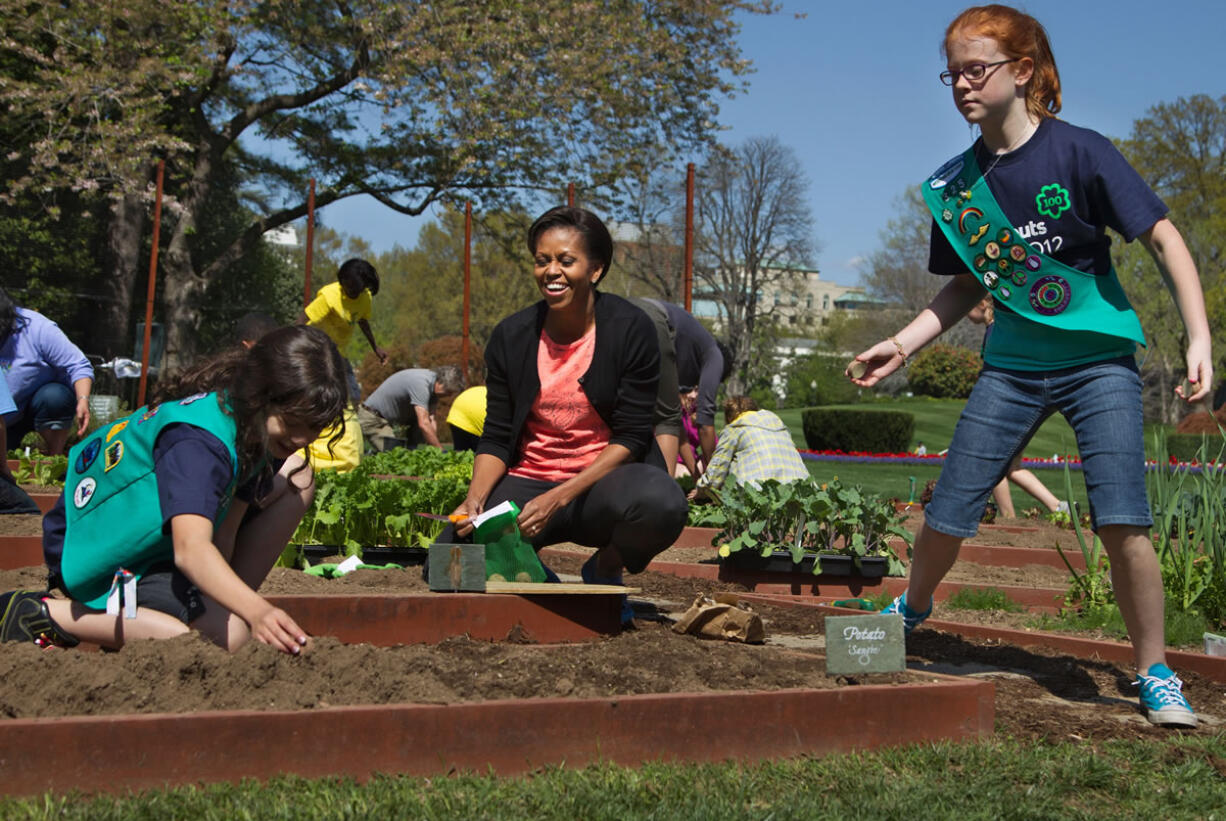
(1053, 200)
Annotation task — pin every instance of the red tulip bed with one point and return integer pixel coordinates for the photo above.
(861, 457)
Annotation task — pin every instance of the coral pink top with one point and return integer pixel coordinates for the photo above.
(563, 433)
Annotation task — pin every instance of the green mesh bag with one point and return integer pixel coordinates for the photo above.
(508, 558)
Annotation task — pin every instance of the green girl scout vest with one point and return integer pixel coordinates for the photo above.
(1032, 284)
(111, 508)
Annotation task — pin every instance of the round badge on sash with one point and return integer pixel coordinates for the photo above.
(1050, 295)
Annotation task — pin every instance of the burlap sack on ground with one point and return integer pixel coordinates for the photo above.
(723, 617)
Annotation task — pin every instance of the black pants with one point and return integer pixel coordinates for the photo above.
(637, 508)
(13, 499)
(462, 439)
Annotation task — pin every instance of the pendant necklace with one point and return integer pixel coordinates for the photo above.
(1027, 134)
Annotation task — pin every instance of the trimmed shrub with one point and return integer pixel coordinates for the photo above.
(873, 431)
(1188, 446)
(944, 372)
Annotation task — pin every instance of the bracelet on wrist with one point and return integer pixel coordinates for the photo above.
(898, 345)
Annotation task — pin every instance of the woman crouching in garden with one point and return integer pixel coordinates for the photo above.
(568, 431)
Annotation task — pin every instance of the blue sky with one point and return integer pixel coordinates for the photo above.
(852, 88)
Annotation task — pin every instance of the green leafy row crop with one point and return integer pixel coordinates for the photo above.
(39, 469)
(355, 509)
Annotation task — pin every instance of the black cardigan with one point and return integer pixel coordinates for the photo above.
(621, 382)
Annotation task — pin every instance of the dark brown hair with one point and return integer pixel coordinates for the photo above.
(294, 371)
(1018, 35)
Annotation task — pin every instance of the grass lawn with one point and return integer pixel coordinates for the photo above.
(1174, 777)
(894, 481)
(934, 426)
(935, 420)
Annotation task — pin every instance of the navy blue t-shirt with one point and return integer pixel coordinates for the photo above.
(1061, 190)
(193, 471)
(1103, 191)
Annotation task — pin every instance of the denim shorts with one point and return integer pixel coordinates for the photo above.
(1102, 403)
(53, 406)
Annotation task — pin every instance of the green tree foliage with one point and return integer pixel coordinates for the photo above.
(1179, 148)
(422, 289)
(817, 379)
(898, 272)
(944, 371)
(410, 102)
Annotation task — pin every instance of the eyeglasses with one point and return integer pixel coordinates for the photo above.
(972, 71)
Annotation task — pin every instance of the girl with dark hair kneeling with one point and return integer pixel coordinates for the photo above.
(163, 505)
(568, 429)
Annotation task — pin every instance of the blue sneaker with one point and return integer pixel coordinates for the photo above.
(1162, 699)
(588, 574)
(910, 618)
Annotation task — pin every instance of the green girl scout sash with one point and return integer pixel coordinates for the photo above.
(1030, 283)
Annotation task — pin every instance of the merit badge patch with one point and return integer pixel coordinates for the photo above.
(968, 213)
(84, 491)
(114, 453)
(88, 454)
(149, 414)
(193, 398)
(1050, 295)
(115, 429)
(946, 173)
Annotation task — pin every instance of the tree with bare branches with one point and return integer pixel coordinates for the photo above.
(753, 236)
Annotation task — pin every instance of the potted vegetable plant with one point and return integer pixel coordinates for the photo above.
(803, 527)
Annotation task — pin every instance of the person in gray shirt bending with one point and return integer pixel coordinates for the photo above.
(408, 398)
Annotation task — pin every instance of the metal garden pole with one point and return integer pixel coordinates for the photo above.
(153, 273)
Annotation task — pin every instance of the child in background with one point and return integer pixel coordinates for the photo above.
(341, 304)
(1030, 229)
(168, 494)
(688, 461)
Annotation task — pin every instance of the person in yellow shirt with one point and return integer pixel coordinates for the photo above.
(340, 305)
(467, 418)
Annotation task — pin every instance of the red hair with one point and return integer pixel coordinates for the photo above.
(1018, 35)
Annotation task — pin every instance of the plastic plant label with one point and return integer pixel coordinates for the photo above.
(348, 566)
(1215, 645)
(856, 645)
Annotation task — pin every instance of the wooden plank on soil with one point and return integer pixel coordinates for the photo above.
(20, 551)
(555, 588)
(132, 752)
(1118, 652)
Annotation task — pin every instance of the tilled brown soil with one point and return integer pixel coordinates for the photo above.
(1039, 694)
